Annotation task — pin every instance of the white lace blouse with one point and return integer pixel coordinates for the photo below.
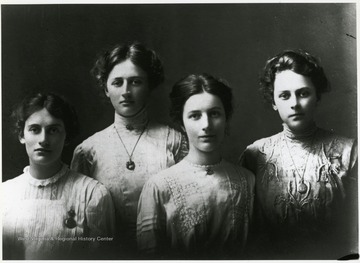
(196, 212)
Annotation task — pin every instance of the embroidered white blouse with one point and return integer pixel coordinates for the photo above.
(103, 157)
(303, 183)
(196, 212)
(35, 211)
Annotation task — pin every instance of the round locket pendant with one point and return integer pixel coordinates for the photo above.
(130, 165)
(302, 188)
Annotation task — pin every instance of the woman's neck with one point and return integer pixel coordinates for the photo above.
(203, 158)
(300, 134)
(44, 171)
(138, 120)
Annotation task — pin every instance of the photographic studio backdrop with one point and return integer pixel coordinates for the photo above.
(53, 47)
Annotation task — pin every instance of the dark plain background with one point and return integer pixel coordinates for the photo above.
(53, 48)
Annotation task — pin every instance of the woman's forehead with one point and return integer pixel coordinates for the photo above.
(43, 117)
(289, 80)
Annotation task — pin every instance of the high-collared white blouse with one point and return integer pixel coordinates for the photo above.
(302, 182)
(63, 217)
(196, 212)
(104, 157)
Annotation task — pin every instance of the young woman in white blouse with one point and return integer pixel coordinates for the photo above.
(129, 151)
(306, 177)
(50, 211)
(201, 207)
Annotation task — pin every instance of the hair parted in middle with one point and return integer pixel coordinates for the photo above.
(138, 54)
(298, 61)
(195, 84)
(55, 104)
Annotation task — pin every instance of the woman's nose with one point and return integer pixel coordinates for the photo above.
(126, 92)
(205, 122)
(43, 138)
(295, 102)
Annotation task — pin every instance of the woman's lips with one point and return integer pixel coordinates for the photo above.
(296, 115)
(127, 102)
(207, 137)
(42, 150)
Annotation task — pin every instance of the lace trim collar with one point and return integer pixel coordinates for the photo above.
(308, 133)
(209, 168)
(137, 122)
(45, 182)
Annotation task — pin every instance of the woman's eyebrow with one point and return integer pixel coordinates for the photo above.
(192, 111)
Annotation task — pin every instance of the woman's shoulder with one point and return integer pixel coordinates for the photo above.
(162, 178)
(264, 143)
(99, 135)
(13, 183)
(337, 145)
(98, 138)
(82, 182)
(329, 136)
(239, 170)
(156, 128)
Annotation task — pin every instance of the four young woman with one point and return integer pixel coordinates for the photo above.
(174, 196)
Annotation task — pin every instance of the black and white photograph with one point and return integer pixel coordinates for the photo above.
(148, 130)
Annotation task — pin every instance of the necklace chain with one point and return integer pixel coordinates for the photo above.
(303, 187)
(130, 155)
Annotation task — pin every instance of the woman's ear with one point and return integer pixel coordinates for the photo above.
(21, 139)
(274, 107)
(106, 91)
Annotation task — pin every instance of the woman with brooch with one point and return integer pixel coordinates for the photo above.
(201, 207)
(306, 177)
(126, 154)
(49, 210)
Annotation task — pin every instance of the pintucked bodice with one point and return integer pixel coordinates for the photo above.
(191, 211)
(104, 157)
(35, 214)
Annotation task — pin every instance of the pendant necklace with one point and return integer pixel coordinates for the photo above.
(302, 187)
(130, 165)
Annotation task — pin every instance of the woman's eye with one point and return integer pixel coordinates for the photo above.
(136, 82)
(34, 130)
(214, 114)
(284, 96)
(117, 83)
(194, 116)
(304, 94)
(53, 130)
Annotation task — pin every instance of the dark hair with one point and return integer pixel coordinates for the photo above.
(138, 54)
(298, 61)
(195, 84)
(55, 105)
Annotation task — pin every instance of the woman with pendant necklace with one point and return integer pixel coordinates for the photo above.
(51, 212)
(306, 177)
(201, 207)
(128, 152)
